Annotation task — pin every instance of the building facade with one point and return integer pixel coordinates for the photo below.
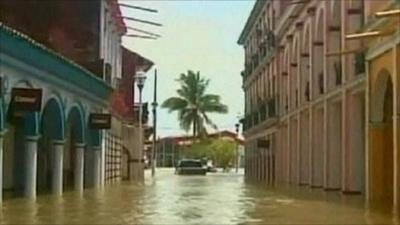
(307, 87)
(58, 74)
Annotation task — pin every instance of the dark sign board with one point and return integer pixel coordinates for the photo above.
(100, 121)
(262, 143)
(26, 99)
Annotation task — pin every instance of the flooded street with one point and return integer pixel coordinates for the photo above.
(212, 199)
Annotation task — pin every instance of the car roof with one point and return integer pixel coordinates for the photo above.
(189, 160)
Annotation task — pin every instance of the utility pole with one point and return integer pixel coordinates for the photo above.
(154, 104)
(237, 147)
(140, 79)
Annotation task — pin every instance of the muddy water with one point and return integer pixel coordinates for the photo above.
(212, 199)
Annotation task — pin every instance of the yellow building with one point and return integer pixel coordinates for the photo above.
(381, 35)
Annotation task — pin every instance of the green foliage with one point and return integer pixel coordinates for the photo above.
(221, 151)
(193, 104)
(224, 152)
(198, 150)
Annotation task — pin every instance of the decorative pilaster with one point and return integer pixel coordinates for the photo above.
(78, 170)
(31, 145)
(57, 168)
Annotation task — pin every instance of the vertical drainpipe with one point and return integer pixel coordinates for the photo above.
(326, 125)
(396, 180)
(367, 110)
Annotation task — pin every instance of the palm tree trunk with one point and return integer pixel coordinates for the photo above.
(194, 128)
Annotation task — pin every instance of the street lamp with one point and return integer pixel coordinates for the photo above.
(237, 147)
(140, 78)
(154, 105)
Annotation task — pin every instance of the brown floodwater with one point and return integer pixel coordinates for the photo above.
(213, 199)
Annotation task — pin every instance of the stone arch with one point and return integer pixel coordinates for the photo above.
(381, 146)
(318, 54)
(73, 151)
(50, 146)
(75, 118)
(305, 64)
(305, 44)
(334, 64)
(379, 90)
(335, 11)
(285, 78)
(294, 71)
(319, 23)
(54, 113)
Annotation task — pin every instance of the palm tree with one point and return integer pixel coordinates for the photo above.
(193, 104)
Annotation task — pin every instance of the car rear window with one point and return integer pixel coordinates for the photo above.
(190, 164)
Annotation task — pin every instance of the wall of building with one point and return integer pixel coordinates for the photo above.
(317, 88)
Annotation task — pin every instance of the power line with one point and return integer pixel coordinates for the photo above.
(141, 21)
(144, 32)
(138, 7)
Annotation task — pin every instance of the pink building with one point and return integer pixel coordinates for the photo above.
(305, 95)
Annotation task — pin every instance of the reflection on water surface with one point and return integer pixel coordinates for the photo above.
(212, 199)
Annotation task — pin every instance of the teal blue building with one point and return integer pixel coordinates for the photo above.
(50, 148)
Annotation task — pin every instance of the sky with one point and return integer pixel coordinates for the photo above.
(196, 35)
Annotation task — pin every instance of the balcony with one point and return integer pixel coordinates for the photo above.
(262, 115)
(266, 50)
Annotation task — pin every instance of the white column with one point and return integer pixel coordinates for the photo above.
(78, 170)
(31, 144)
(57, 167)
(96, 166)
(1, 167)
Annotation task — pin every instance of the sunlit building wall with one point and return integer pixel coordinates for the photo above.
(297, 54)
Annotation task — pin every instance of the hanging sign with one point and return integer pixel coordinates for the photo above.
(26, 99)
(100, 121)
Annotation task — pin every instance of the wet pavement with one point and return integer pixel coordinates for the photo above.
(220, 198)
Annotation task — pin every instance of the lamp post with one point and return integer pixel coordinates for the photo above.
(154, 104)
(140, 78)
(237, 147)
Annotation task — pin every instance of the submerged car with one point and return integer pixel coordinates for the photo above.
(190, 167)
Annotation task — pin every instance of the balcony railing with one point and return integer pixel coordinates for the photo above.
(266, 49)
(265, 111)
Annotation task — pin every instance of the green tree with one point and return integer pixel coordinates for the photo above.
(198, 150)
(193, 104)
(223, 152)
